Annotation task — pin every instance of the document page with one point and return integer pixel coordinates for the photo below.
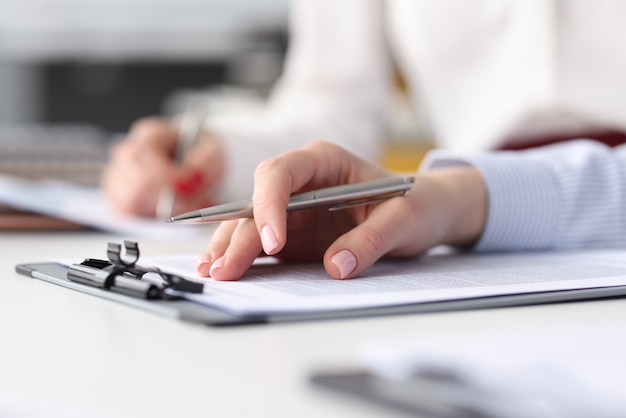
(83, 205)
(273, 287)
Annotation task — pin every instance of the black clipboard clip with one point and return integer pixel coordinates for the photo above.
(121, 274)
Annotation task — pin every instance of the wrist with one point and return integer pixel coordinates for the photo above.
(463, 203)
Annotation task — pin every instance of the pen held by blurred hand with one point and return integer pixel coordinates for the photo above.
(190, 130)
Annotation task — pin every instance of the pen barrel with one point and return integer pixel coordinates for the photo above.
(340, 197)
(227, 211)
(363, 193)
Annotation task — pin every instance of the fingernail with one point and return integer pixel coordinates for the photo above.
(345, 262)
(218, 264)
(189, 184)
(268, 239)
(184, 188)
(203, 264)
(196, 178)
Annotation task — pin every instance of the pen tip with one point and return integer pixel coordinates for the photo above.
(170, 220)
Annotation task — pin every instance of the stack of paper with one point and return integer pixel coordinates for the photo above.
(306, 288)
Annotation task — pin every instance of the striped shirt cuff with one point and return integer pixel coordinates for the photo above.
(523, 199)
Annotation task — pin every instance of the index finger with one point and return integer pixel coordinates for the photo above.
(318, 163)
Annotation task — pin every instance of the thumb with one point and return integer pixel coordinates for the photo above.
(359, 248)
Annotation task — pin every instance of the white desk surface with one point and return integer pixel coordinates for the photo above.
(66, 347)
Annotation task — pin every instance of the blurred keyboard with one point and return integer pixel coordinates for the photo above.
(74, 153)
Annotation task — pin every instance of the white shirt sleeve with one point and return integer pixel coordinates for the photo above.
(335, 87)
(567, 195)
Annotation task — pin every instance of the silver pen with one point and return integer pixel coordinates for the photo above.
(189, 132)
(337, 197)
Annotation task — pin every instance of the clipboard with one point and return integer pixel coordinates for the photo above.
(186, 310)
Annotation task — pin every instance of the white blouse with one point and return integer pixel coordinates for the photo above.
(487, 72)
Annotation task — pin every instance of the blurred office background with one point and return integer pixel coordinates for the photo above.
(108, 62)
(75, 74)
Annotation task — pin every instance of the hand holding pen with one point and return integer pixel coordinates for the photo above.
(143, 165)
(446, 206)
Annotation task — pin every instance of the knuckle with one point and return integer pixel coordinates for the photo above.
(318, 144)
(371, 240)
(265, 206)
(121, 150)
(402, 209)
(267, 166)
(145, 130)
(323, 148)
(146, 124)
